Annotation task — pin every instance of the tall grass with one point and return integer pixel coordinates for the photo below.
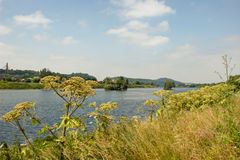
(211, 133)
(207, 133)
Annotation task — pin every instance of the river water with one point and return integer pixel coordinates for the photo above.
(49, 107)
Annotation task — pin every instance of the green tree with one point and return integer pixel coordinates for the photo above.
(45, 72)
(119, 83)
(168, 85)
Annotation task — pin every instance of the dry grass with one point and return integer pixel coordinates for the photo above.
(211, 133)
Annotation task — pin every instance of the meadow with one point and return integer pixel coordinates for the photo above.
(19, 85)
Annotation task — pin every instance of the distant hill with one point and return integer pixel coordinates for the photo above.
(19, 75)
(156, 82)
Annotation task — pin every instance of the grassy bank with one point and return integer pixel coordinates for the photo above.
(209, 133)
(19, 85)
(200, 124)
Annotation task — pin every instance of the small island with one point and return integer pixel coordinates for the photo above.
(117, 83)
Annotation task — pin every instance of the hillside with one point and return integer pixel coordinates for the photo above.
(158, 82)
(155, 82)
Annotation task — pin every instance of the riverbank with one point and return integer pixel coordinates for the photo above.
(19, 85)
(25, 85)
(197, 124)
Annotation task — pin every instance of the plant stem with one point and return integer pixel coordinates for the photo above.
(39, 122)
(77, 106)
(65, 128)
(23, 132)
(54, 89)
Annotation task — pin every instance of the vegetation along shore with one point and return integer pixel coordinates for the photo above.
(29, 79)
(198, 124)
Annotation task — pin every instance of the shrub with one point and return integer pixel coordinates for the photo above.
(235, 81)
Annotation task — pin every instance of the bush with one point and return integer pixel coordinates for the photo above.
(235, 81)
(186, 101)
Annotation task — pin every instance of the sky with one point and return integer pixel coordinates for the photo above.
(183, 40)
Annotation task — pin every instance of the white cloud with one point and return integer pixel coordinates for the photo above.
(40, 37)
(143, 8)
(138, 38)
(4, 30)
(68, 40)
(137, 25)
(140, 33)
(32, 20)
(83, 23)
(163, 26)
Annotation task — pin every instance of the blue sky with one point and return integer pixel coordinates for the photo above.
(183, 40)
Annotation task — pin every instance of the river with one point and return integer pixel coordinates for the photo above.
(49, 107)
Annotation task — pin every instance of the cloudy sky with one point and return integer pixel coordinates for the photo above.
(183, 40)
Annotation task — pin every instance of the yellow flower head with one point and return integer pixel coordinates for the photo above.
(162, 93)
(11, 116)
(107, 106)
(50, 82)
(78, 87)
(151, 103)
(24, 105)
(93, 114)
(93, 104)
(92, 83)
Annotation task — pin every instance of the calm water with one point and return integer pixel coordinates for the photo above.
(50, 107)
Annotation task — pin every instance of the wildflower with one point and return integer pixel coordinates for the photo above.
(24, 105)
(107, 106)
(93, 114)
(12, 115)
(162, 93)
(50, 82)
(77, 87)
(92, 83)
(151, 103)
(92, 105)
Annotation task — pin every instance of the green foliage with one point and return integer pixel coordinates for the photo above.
(102, 114)
(131, 85)
(209, 95)
(235, 81)
(168, 85)
(119, 83)
(34, 76)
(19, 85)
(45, 72)
(186, 101)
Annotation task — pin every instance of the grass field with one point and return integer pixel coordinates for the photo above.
(19, 85)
